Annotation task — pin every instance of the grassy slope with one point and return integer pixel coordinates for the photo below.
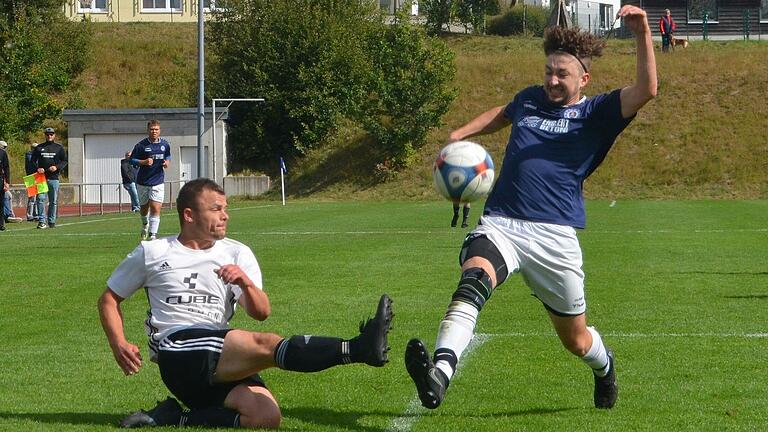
(703, 137)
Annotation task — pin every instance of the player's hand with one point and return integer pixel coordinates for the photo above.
(165, 163)
(148, 161)
(233, 274)
(52, 168)
(635, 19)
(128, 357)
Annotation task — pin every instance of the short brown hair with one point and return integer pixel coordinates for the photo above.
(191, 190)
(153, 122)
(582, 45)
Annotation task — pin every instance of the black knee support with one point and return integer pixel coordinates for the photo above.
(474, 287)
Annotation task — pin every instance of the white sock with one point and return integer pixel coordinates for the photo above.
(144, 219)
(154, 224)
(597, 356)
(455, 332)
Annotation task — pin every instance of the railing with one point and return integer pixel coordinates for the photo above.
(79, 199)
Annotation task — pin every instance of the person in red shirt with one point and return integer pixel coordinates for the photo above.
(667, 28)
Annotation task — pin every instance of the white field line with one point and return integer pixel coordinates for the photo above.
(413, 411)
(170, 213)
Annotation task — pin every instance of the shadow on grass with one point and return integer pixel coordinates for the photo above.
(71, 418)
(354, 163)
(349, 420)
(748, 296)
(724, 273)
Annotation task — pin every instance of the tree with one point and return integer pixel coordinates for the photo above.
(40, 52)
(409, 90)
(319, 63)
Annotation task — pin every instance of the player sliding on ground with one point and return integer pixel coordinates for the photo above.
(193, 282)
(558, 138)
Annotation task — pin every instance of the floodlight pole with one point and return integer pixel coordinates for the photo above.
(200, 89)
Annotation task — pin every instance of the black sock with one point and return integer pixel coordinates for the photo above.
(455, 211)
(311, 353)
(213, 416)
(465, 213)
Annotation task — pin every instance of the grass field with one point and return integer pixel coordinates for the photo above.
(677, 288)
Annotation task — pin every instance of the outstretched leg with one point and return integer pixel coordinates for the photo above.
(246, 353)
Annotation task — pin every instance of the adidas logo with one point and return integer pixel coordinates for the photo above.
(165, 266)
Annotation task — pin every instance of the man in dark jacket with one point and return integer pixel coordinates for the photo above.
(128, 173)
(49, 158)
(4, 175)
(30, 168)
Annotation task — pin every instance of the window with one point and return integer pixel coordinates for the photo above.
(92, 6)
(606, 16)
(764, 11)
(698, 8)
(211, 5)
(161, 5)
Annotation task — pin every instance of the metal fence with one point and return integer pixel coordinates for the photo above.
(82, 199)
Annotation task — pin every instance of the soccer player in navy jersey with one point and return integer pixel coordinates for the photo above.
(152, 155)
(558, 138)
(193, 283)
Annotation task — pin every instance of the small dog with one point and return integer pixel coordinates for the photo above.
(678, 43)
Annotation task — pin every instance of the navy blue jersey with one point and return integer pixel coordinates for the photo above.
(159, 151)
(551, 150)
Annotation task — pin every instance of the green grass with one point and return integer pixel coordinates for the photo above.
(677, 288)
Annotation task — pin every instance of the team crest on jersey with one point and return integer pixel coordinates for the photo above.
(571, 113)
(162, 148)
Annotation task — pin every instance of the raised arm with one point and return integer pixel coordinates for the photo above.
(486, 123)
(644, 89)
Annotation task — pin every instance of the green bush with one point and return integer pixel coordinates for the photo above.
(318, 63)
(437, 14)
(519, 20)
(40, 53)
(409, 90)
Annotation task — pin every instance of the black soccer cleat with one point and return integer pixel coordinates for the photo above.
(606, 389)
(373, 334)
(454, 221)
(166, 413)
(430, 381)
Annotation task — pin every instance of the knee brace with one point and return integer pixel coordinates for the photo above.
(474, 287)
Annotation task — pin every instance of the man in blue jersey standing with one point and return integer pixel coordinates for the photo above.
(558, 138)
(152, 155)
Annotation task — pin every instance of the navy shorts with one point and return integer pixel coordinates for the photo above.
(188, 360)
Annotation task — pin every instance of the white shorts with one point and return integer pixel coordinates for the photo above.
(151, 193)
(548, 256)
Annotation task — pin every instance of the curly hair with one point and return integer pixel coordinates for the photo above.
(582, 45)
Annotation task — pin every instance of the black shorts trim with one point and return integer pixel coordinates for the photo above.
(558, 313)
(188, 360)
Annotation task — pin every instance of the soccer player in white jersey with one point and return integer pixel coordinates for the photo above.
(193, 282)
(152, 155)
(558, 138)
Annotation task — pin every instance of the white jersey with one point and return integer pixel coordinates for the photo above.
(181, 286)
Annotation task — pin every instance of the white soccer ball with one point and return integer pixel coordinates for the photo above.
(463, 172)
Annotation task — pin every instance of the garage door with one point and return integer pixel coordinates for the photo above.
(101, 168)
